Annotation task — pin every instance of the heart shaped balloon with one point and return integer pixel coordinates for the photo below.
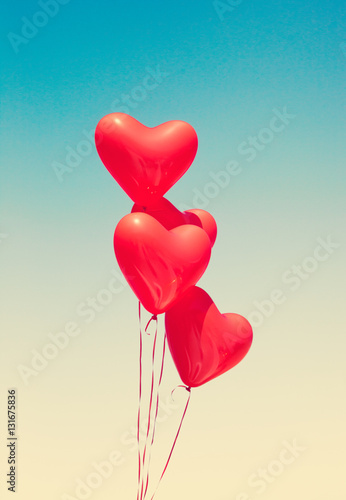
(160, 265)
(203, 342)
(169, 216)
(145, 161)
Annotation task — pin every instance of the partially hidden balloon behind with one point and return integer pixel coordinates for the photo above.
(158, 264)
(170, 217)
(146, 162)
(203, 342)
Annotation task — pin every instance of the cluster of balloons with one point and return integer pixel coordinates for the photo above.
(162, 251)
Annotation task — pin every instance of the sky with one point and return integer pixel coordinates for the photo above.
(263, 86)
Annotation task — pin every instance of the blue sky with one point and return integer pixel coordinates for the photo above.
(223, 76)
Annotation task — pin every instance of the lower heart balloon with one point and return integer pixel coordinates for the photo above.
(160, 265)
(203, 342)
(169, 216)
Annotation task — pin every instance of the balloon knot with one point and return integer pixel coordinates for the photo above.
(153, 318)
(183, 386)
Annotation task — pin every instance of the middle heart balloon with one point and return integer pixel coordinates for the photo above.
(170, 217)
(158, 264)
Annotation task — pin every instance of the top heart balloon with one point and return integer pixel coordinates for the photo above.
(146, 162)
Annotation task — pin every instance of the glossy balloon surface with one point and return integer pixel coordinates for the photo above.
(170, 217)
(160, 265)
(145, 161)
(203, 342)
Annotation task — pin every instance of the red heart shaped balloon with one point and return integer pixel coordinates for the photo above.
(145, 161)
(169, 216)
(203, 342)
(160, 265)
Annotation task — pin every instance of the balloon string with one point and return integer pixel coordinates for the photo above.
(140, 398)
(150, 403)
(176, 437)
(156, 413)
